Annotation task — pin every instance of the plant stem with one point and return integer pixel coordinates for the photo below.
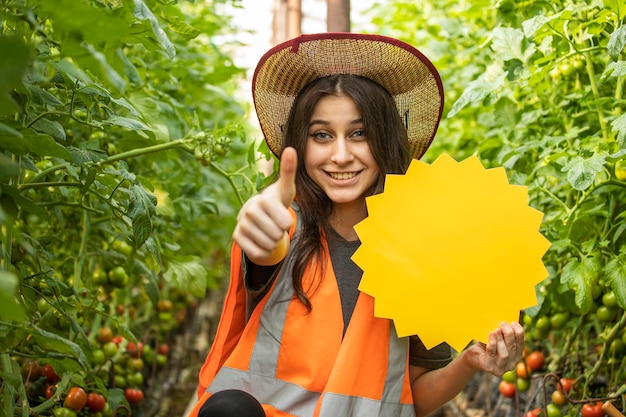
(179, 143)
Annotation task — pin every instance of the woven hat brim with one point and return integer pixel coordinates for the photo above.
(400, 68)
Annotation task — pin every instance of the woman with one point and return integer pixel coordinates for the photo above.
(296, 337)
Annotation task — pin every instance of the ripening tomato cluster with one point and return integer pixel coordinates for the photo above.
(116, 363)
(68, 403)
(518, 379)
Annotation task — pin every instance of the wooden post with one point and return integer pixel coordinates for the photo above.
(287, 21)
(338, 16)
(294, 18)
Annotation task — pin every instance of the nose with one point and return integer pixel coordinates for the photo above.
(342, 153)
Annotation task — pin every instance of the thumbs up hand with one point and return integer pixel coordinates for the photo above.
(264, 220)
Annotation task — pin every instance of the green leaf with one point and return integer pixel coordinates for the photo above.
(617, 40)
(50, 127)
(476, 92)
(54, 343)
(9, 131)
(581, 172)
(142, 208)
(74, 19)
(34, 143)
(619, 126)
(8, 168)
(581, 277)
(22, 202)
(508, 44)
(532, 25)
(41, 96)
(106, 69)
(15, 58)
(81, 156)
(189, 275)
(10, 309)
(142, 12)
(615, 271)
(126, 122)
(181, 28)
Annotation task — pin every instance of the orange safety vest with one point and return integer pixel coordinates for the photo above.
(299, 363)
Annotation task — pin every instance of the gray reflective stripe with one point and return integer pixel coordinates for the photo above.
(396, 366)
(264, 358)
(334, 405)
(285, 396)
(343, 405)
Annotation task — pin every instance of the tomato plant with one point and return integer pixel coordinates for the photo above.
(104, 206)
(537, 87)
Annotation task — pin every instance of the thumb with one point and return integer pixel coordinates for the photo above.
(287, 176)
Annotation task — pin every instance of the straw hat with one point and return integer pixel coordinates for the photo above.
(404, 71)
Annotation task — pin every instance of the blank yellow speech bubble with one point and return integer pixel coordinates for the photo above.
(450, 250)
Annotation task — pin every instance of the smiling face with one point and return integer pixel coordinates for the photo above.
(338, 157)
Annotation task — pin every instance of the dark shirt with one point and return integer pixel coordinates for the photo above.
(348, 276)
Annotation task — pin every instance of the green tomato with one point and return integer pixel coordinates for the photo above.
(110, 349)
(609, 300)
(99, 277)
(605, 314)
(522, 384)
(543, 323)
(616, 347)
(63, 412)
(509, 376)
(135, 379)
(558, 320)
(97, 357)
(122, 247)
(118, 277)
(554, 410)
(120, 381)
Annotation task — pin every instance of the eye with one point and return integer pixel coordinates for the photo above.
(321, 135)
(359, 133)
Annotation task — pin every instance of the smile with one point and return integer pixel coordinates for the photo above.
(342, 175)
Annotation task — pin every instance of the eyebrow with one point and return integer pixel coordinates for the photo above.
(326, 122)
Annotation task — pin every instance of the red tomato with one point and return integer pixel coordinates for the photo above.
(95, 402)
(163, 349)
(133, 350)
(133, 395)
(507, 389)
(533, 413)
(50, 390)
(536, 360)
(565, 384)
(48, 372)
(592, 410)
(76, 399)
(117, 339)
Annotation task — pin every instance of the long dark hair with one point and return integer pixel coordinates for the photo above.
(386, 136)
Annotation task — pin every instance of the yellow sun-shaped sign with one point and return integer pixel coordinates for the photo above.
(450, 250)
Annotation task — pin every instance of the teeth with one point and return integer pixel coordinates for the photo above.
(342, 175)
